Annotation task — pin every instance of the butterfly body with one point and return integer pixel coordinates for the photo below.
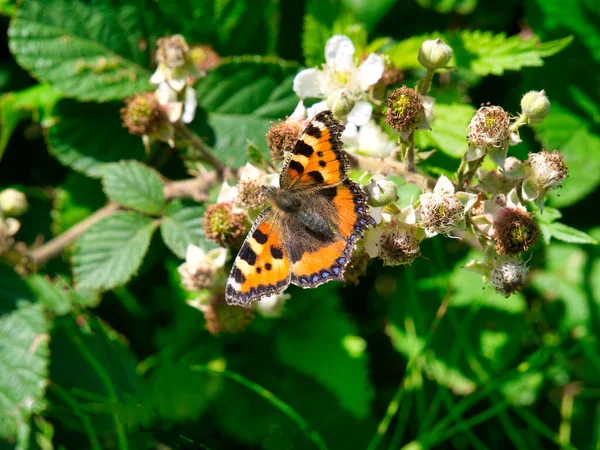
(307, 235)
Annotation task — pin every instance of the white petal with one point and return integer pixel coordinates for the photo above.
(372, 141)
(443, 185)
(190, 105)
(174, 111)
(514, 139)
(316, 109)
(529, 191)
(218, 256)
(12, 225)
(299, 113)
(468, 200)
(250, 172)
(194, 254)
(227, 193)
(361, 113)
(339, 52)
(370, 71)
(309, 83)
(372, 239)
(158, 76)
(474, 153)
(350, 136)
(164, 94)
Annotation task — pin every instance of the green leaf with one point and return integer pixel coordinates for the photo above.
(88, 135)
(369, 12)
(566, 233)
(182, 226)
(110, 252)
(480, 52)
(57, 296)
(245, 95)
(90, 51)
(485, 53)
(32, 103)
(448, 6)
(134, 185)
(23, 354)
(448, 130)
(579, 17)
(316, 341)
(573, 137)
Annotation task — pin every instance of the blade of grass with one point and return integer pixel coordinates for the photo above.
(286, 409)
(403, 417)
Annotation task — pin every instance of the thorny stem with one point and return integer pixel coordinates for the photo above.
(201, 147)
(194, 188)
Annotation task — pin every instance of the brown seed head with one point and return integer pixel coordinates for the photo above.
(282, 138)
(224, 226)
(516, 231)
(404, 109)
(142, 114)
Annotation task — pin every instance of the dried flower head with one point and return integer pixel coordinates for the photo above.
(442, 210)
(8, 228)
(357, 267)
(508, 275)
(489, 128)
(399, 244)
(204, 57)
(142, 114)
(515, 231)
(222, 317)
(172, 51)
(282, 137)
(222, 225)
(404, 109)
(548, 170)
(250, 193)
(199, 271)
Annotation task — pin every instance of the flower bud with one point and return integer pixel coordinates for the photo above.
(381, 191)
(224, 226)
(8, 228)
(13, 203)
(341, 102)
(508, 275)
(535, 106)
(142, 114)
(434, 54)
(282, 138)
(404, 109)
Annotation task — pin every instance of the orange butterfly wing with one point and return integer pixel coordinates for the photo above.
(262, 266)
(318, 158)
(312, 267)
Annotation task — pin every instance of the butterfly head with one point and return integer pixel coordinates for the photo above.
(283, 200)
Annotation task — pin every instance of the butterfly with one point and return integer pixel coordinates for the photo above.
(308, 233)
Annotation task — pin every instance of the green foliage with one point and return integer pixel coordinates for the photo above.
(183, 226)
(110, 252)
(245, 95)
(87, 148)
(90, 51)
(24, 356)
(134, 185)
(102, 346)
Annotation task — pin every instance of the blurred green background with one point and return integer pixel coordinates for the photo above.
(423, 356)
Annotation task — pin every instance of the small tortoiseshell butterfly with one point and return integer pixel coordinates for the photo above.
(307, 235)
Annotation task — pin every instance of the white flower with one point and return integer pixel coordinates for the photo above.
(443, 210)
(368, 140)
(341, 73)
(177, 105)
(384, 219)
(547, 171)
(227, 193)
(200, 268)
(272, 305)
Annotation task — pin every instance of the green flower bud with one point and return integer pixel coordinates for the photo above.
(341, 103)
(13, 203)
(381, 191)
(434, 54)
(535, 106)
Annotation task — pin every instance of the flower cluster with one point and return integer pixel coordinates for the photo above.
(380, 121)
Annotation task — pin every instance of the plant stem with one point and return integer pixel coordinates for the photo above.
(424, 85)
(201, 147)
(194, 188)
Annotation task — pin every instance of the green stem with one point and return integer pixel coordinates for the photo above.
(64, 395)
(313, 435)
(201, 147)
(108, 386)
(424, 85)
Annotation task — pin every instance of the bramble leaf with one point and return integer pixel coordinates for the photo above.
(24, 355)
(245, 95)
(448, 130)
(182, 226)
(134, 185)
(89, 135)
(90, 51)
(110, 252)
